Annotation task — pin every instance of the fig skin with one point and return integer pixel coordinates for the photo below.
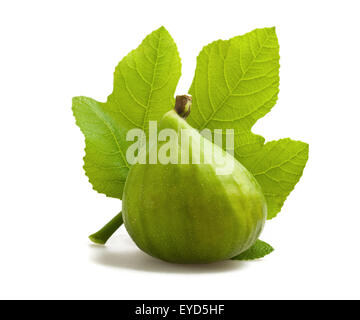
(186, 213)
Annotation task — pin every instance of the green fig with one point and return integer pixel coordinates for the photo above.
(189, 213)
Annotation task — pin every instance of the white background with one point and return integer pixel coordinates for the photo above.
(51, 51)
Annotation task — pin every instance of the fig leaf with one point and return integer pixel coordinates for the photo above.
(144, 87)
(236, 83)
(258, 250)
(277, 167)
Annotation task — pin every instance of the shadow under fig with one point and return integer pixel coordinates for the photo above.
(134, 259)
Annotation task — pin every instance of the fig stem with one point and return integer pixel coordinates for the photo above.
(103, 235)
(183, 105)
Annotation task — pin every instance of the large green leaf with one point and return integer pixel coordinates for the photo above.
(144, 86)
(277, 166)
(236, 83)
